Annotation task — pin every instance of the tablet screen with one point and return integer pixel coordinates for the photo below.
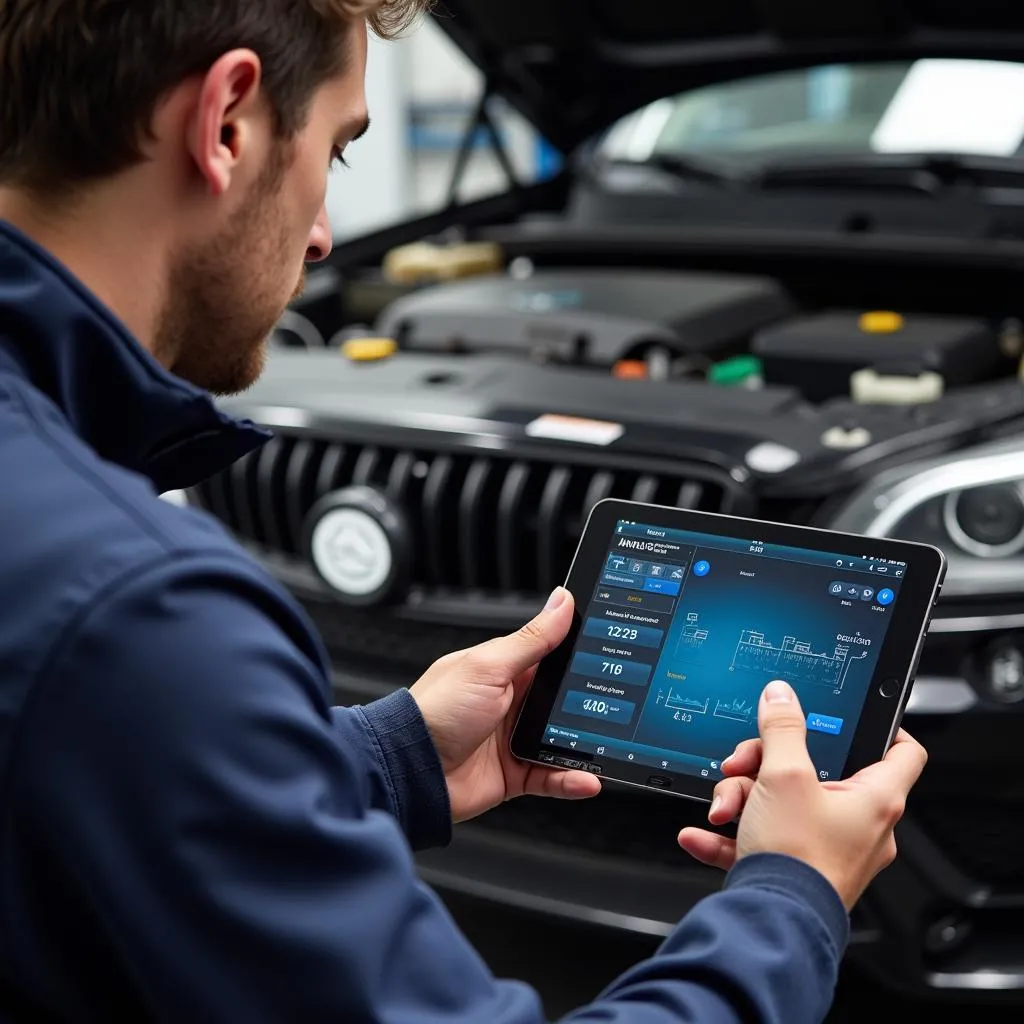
(684, 630)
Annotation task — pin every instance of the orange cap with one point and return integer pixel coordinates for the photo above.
(630, 369)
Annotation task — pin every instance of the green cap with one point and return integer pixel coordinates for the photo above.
(735, 371)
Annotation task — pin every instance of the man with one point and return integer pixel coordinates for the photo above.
(190, 831)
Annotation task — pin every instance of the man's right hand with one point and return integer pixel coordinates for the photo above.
(842, 829)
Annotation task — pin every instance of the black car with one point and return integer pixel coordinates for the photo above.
(779, 275)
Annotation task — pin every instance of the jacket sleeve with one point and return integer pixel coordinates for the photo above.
(181, 768)
(389, 739)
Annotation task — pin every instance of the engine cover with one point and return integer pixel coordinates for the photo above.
(588, 317)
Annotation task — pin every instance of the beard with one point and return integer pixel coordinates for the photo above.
(226, 295)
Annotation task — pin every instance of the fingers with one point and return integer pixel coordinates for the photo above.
(730, 797)
(907, 758)
(561, 785)
(900, 769)
(514, 654)
(783, 732)
(714, 850)
(745, 759)
(520, 688)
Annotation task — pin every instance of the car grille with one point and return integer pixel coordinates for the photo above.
(481, 522)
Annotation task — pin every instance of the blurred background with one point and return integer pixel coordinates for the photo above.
(423, 93)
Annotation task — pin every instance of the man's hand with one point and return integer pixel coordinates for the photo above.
(843, 829)
(470, 701)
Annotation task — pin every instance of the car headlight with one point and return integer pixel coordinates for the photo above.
(987, 521)
(970, 504)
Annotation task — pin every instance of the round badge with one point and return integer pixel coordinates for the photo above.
(358, 544)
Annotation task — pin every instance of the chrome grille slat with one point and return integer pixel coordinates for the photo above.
(300, 488)
(471, 514)
(551, 527)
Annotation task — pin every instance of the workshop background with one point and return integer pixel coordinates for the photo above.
(423, 93)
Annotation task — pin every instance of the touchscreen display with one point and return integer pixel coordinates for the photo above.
(684, 630)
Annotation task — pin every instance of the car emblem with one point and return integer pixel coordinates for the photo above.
(351, 551)
(357, 545)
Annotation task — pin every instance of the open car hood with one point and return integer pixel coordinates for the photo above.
(572, 67)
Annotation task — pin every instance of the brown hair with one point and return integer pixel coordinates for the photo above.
(81, 79)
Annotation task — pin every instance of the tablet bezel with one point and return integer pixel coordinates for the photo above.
(894, 671)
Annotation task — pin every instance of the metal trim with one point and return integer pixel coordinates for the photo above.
(544, 904)
(978, 981)
(977, 623)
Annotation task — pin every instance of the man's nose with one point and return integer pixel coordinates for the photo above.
(320, 240)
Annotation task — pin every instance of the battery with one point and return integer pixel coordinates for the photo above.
(819, 354)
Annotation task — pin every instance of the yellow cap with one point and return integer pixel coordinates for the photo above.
(366, 350)
(881, 322)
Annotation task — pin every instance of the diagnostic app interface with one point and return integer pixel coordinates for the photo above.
(684, 631)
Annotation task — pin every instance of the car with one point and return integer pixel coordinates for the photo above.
(777, 274)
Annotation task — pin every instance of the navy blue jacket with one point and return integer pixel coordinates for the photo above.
(190, 832)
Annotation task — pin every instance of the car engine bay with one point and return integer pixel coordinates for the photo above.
(795, 392)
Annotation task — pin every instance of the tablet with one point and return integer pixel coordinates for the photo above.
(682, 618)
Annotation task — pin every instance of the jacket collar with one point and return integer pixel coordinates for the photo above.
(114, 394)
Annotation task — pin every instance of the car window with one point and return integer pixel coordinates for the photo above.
(958, 106)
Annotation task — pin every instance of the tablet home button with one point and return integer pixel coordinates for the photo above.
(661, 781)
(889, 687)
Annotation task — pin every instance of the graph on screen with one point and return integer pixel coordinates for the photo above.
(677, 702)
(795, 660)
(736, 710)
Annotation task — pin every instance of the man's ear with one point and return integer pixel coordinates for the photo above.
(222, 126)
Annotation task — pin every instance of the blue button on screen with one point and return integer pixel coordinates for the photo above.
(656, 586)
(618, 579)
(822, 723)
(885, 596)
(623, 633)
(701, 568)
(608, 709)
(615, 670)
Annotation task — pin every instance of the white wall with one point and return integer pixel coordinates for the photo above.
(438, 70)
(386, 182)
(375, 190)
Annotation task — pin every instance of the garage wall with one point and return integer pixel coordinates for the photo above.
(422, 93)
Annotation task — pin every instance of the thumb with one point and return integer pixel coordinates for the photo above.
(522, 650)
(780, 720)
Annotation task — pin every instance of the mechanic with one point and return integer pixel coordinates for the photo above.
(190, 830)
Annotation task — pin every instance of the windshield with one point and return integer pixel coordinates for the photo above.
(926, 106)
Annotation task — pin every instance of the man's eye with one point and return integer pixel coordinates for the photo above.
(337, 158)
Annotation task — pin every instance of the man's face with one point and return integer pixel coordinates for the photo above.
(228, 289)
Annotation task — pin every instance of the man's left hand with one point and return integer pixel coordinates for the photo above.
(470, 701)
